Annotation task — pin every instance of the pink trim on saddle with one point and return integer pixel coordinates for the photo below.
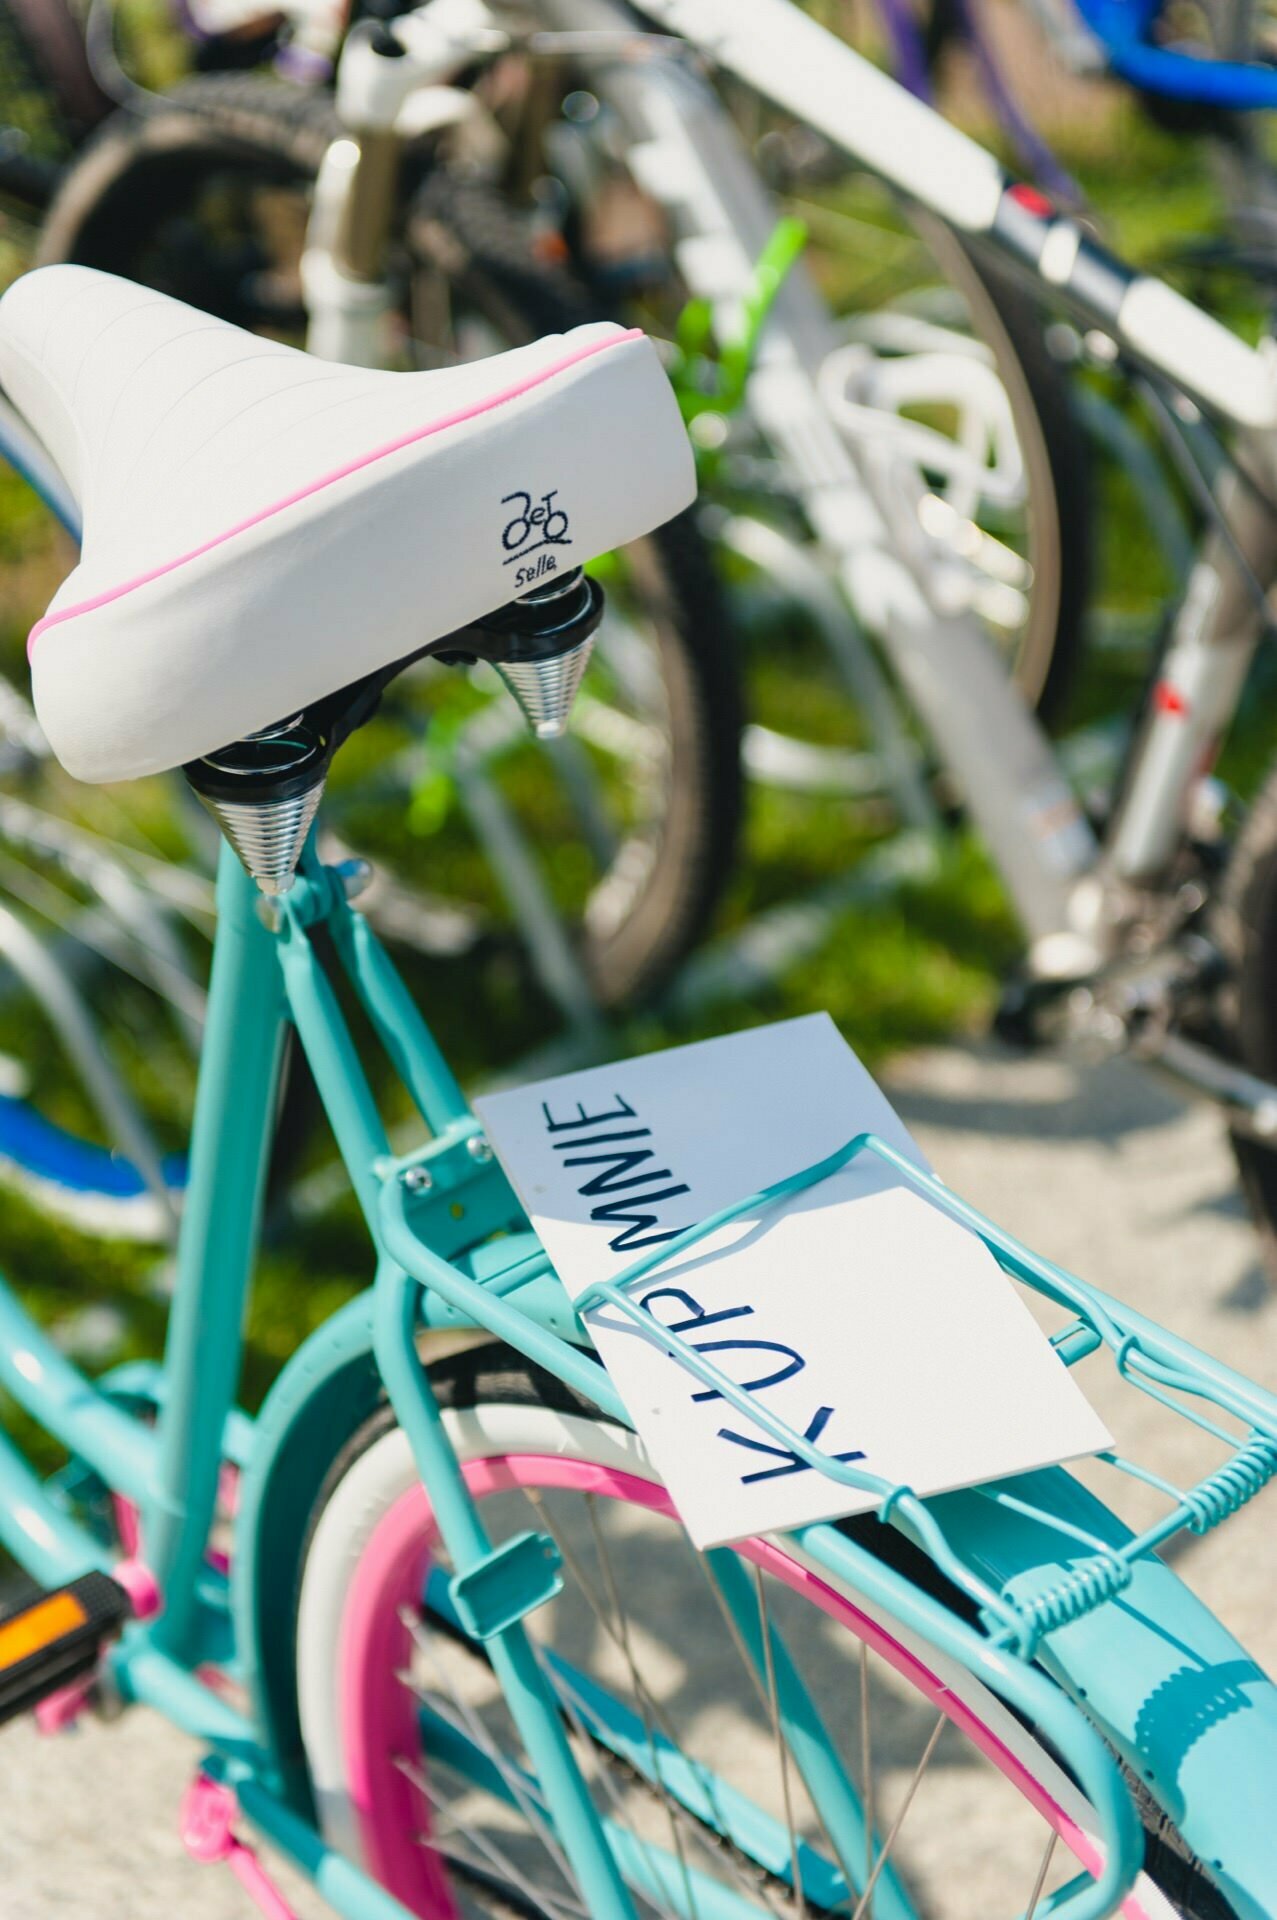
(329, 479)
(377, 1710)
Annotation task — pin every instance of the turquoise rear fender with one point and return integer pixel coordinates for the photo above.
(323, 1396)
(325, 1393)
(1176, 1695)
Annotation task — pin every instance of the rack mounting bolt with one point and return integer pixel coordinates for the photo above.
(478, 1148)
(417, 1179)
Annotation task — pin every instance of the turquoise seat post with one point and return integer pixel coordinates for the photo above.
(231, 1138)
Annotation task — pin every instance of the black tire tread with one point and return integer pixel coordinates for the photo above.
(108, 197)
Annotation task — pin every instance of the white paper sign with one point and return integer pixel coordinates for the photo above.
(855, 1311)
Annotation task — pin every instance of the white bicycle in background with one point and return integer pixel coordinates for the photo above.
(605, 852)
(1132, 937)
(940, 364)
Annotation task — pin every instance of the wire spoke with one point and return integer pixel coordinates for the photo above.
(473, 1726)
(1039, 1885)
(738, 1639)
(782, 1744)
(552, 1906)
(641, 1695)
(867, 1774)
(717, 1846)
(862, 1906)
(602, 1774)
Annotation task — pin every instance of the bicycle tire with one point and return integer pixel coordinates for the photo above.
(1054, 447)
(498, 1404)
(466, 230)
(49, 100)
(135, 172)
(1244, 927)
(1057, 461)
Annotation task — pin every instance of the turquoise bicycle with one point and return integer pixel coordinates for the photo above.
(430, 1612)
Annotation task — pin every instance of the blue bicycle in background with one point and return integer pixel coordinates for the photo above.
(1209, 68)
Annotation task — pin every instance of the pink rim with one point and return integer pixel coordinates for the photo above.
(378, 1713)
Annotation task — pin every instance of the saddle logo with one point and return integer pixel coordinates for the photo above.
(536, 527)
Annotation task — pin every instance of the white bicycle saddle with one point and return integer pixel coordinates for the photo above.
(262, 528)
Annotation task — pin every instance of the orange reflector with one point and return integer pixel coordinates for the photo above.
(39, 1627)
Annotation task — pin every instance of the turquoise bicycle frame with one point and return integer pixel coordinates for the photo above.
(1166, 1688)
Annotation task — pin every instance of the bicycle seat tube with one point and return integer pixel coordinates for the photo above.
(354, 206)
(1195, 695)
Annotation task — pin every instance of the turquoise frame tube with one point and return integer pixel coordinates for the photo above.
(1165, 1686)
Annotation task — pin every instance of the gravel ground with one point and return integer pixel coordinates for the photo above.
(1100, 1168)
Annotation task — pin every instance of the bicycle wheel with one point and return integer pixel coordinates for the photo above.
(419, 1775)
(627, 835)
(1044, 649)
(937, 338)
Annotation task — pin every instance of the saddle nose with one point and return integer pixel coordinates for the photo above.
(262, 528)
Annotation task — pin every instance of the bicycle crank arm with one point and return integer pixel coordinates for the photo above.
(1134, 1013)
(1249, 1103)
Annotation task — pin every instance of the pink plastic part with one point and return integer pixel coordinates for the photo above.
(257, 1884)
(132, 1572)
(218, 1682)
(205, 1820)
(206, 1825)
(141, 1586)
(127, 1524)
(228, 1488)
(228, 1485)
(329, 479)
(60, 1710)
(377, 1711)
